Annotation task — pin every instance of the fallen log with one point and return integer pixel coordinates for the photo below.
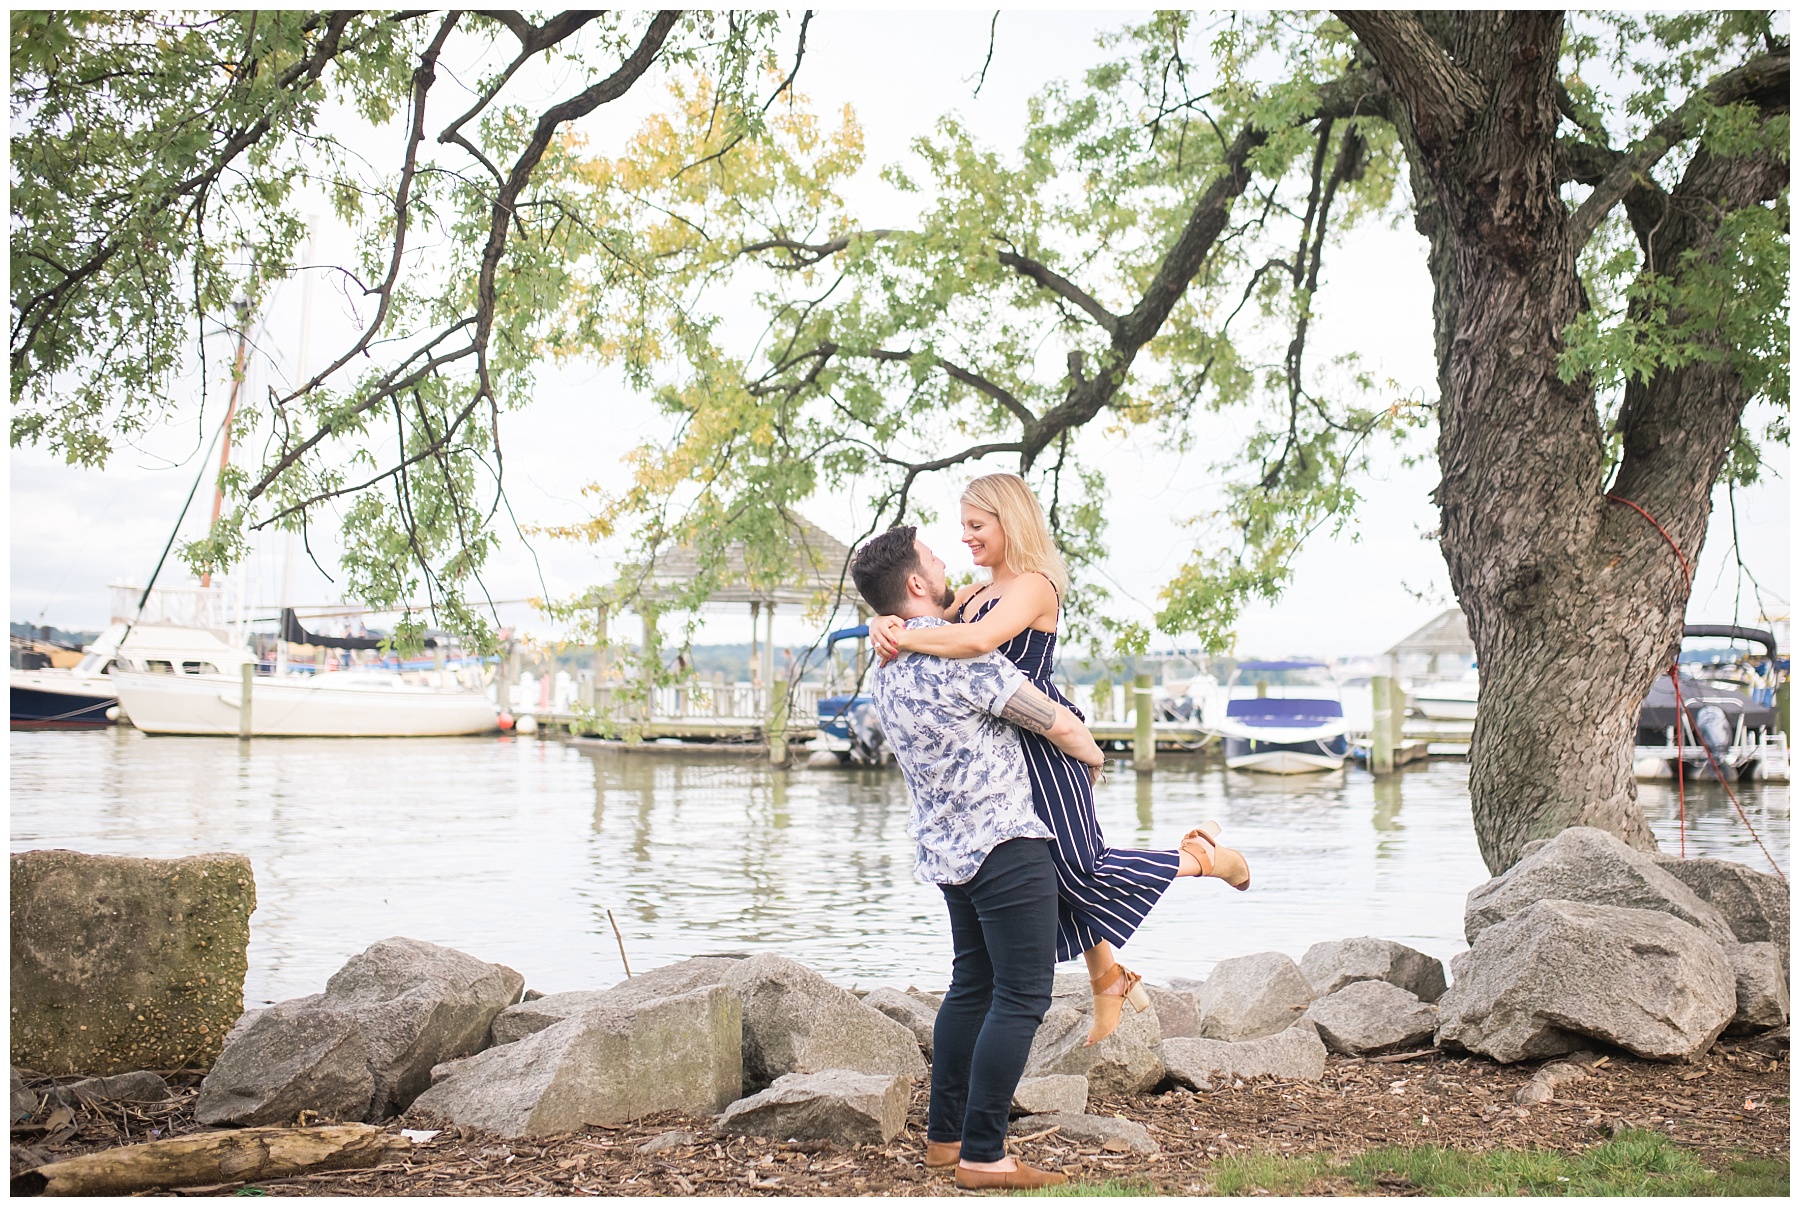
(250, 1154)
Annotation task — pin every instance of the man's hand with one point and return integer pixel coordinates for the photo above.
(1031, 709)
(884, 635)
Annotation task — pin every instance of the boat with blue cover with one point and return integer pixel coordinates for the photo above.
(1283, 718)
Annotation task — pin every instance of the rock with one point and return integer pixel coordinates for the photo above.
(1328, 967)
(1125, 1062)
(1754, 904)
(1248, 997)
(906, 1010)
(671, 980)
(1296, 1054)
(1762, 988)
(607, 1066)
(933, 1000)
(1113, 1135)
(833, 1104)
(24, 1101)
(121, 964)
(121, 1087)
(1366, 1018)
(364, 1048)
(528, 1018)
(1585, 864)
(303, 1054)
(662, 1142)
(1547, 1080)
(796, 1021)
(1057, 1094)
(1533, 985)
(1177, 1011)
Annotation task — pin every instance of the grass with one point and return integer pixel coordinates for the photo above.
(1635, 1163)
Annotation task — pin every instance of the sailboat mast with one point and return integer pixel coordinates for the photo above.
(237, 384)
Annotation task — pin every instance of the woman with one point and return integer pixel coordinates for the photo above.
(1105, 892)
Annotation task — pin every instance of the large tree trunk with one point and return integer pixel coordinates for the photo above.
(1574, 600)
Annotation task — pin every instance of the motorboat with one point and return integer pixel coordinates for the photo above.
(1283, 718)
(1727, 717)
(76, 697)
(1446, 699)
(83, 695)
(199, 689)
(849, 731)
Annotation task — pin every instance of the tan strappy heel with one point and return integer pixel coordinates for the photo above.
(1109, 1008)
(1219, 862)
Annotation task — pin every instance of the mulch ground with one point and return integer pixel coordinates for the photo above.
(1731, 1105)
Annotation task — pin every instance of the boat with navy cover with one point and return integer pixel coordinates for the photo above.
(1283, 718)
(1727, 716)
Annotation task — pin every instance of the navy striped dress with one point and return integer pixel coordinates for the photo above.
(1103, 892)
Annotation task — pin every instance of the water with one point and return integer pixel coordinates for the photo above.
(515, 850)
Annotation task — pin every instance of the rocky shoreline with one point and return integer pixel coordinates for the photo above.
(1587, 955)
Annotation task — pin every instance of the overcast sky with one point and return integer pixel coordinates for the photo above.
(74, 531)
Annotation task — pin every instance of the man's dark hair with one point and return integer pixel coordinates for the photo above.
(882, 565)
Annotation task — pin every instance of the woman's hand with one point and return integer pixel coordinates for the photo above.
(1096, 771)
(884, 635)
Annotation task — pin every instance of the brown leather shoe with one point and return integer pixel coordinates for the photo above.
(1022, 1178)
(942, 1154)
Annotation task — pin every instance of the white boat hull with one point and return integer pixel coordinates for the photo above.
(1766, 760)
(1443, 708)
(330, 706)
(1284, 762)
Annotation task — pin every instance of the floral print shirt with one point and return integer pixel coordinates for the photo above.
(964, 767)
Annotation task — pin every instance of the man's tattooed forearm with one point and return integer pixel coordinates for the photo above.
(1030, 709)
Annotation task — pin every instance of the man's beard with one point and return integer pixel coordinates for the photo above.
(948, 598)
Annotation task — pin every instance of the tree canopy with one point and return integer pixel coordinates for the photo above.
(1148, 251)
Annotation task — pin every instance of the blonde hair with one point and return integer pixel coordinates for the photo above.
(1029, 547)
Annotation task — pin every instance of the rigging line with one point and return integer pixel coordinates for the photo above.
(173, 533)
(1680, 763)
(1687, 572)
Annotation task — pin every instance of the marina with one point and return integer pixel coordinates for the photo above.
(515, 849)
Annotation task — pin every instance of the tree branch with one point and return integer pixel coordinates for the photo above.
(1763, 80)
(1062, 287)
(1439, 95)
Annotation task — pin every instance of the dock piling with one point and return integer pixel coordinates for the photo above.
(1381, 725)
(247, 692)
(1143, 744)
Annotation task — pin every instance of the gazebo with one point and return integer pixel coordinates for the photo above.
(817, 564)
(1446, 636)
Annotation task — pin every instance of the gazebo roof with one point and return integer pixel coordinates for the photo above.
(1448, 633)
(816, 563)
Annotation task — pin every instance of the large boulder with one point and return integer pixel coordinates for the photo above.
(671, 980)
(120, 964)
(1125, 1062)
(796, 1021)
(1177, 1011)
(1762, 988)
(1110, 1133)
(364, 1048)
(909, 1011)
(1057, 1094)
(1296, 1054)
(1248, 997)
(1535, 984)
(1332, 965)
(1586, 864)
(606, 1066)
(1366, 1018)
(833, 1104)
(1754, 904)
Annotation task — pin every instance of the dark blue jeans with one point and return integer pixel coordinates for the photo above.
(1003, 929)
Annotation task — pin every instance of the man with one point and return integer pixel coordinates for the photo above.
(950, 723)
